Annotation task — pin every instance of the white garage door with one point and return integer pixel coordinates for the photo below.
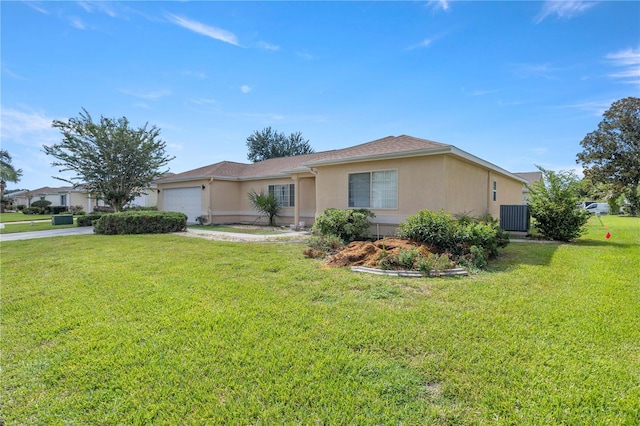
(183, 200)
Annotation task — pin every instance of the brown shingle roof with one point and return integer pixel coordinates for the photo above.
(530, 177)
(390, 145)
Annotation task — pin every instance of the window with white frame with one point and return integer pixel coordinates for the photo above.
(375, 190)
(285, 194)
(63, 199)
(495, 191)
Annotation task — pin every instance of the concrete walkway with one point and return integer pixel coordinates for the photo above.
(211, 235)
(292, 236)
(83, 230)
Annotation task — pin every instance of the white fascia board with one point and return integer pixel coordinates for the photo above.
(226, 178)
(187, 179)
(376, 157)
(297, 170)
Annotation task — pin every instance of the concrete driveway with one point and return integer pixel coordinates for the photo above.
(45, 234)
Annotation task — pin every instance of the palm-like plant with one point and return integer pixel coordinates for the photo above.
(265, 203)
(8, 173)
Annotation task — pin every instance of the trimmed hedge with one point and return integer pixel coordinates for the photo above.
(87, 220)
(146, 222)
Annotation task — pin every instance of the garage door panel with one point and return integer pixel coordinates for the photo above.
(183, 200)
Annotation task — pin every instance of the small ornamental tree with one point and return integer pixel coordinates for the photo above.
(553, 201)
(109, 157)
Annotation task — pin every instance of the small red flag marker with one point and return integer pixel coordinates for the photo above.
(608, 235)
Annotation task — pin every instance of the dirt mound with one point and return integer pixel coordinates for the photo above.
(366, 253)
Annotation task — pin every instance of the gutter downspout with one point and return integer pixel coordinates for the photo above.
(210, 208)
(296, 204)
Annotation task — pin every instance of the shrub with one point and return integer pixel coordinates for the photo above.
(20, 207)
(348, 225)
(32, 210)
(434, 263)
(87, 219)
(104, 209)
(57, 209)
(552, 201)
(140, 209)
(407, 258)
(41, 204)
(447, 235)
(140, 223)
(75, 209)
(321, 245)
(435, 228)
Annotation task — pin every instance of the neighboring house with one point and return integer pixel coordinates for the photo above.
(69, 196)
(394, 177)
(61, 196)
(530, 178)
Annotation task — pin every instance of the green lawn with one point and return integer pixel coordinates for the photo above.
(12, 228)
(162, 329)
(20, 217)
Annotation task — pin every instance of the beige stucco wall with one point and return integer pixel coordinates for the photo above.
(420, 186)
(440, 182)
(470, 189)
(226, 201)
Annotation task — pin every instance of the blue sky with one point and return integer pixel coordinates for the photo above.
(516, 83)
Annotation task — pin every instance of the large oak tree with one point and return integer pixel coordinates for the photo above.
(269, 143)
(611, 154)
(109, 158)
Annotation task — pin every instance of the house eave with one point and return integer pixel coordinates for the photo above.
(450, 149)
(477, 160)
(378, 157)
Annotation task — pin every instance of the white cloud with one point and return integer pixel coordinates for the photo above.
(629, 63)
(439, 4)
(36, 7)
(595, 108)
(563, 8)
(12, 74)
(245, 89)
(77, 23)
(26, 128)
(205, 30)
(534, 70)
(98, 6)
(150, 95)
(305, 55)
(424, 43)
(203, 101)
(267, 46)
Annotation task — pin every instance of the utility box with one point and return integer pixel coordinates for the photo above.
(515, 218)
(62, 219)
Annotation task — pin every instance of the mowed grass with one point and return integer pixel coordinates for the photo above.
(162, 329)
(12, 228)
(20, 217)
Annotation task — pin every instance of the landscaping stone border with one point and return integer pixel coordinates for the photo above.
(412, 274)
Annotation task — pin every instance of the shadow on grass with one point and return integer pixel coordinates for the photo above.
(603, 243)
(533, 253)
